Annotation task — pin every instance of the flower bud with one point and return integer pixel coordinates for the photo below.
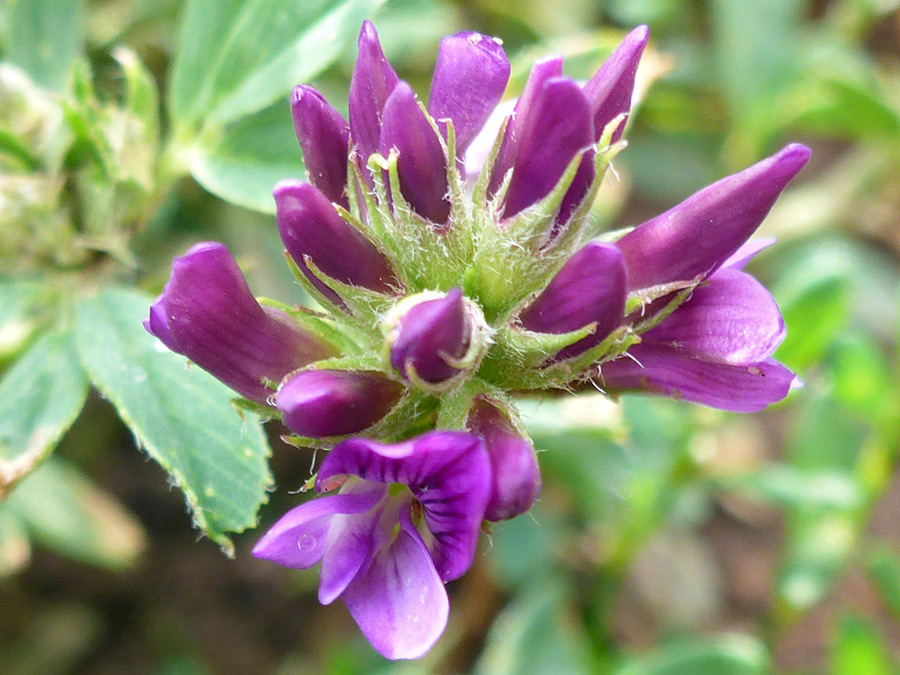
(319, 403)
(324, 137)
(515, 475)
(372, 83)
(470, 76)
(208, 314)
(435, 337)
(310, 226)
(695, 237)
(590, 288)
(421, 165)
(609, 90)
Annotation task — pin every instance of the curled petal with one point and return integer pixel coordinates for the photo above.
(589, 288)
(372, 83)
(610, 90)
(400, 603)
(694, 238)
(667, 371)
(731, 318)
(320, 403)
(448, 472)
(470, 76)
(324, 137)
(421, 165)
(428, 335)
(298, 539)
(310, 226)
(552, 131)
(208, 314)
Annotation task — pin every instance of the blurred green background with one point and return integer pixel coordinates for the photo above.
(670, 539)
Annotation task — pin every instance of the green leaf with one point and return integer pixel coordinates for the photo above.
(860, 649)
(21, 303)
(814, 317)
(63, 511)
(40, 397)
(239, 56)
(722, 655)
(534, 635)
(755, 47)
(796, 488)
(243, 165)
(182, 418)
(46, 37)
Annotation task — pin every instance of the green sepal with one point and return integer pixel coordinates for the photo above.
(682, 295)
(265, 413)
(560, 375)
(362, 305)
(322, 326)
(510, 264)
(516, 348)
(480, 197)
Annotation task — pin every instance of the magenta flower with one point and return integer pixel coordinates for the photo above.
(405, 521)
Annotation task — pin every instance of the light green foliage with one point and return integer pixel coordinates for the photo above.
(41, 396)
(236, 64)
(187, 424)
(45, 39)
(59, 508)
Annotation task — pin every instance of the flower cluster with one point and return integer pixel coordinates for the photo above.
(450, 249)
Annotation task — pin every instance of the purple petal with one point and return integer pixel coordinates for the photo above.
(298, 539)
(158, 326)
(731, 318)
(351, 543)
(324, 137)
(541, 72)
(697, 236)
(516, 480)
(428, 334)
(208, 312)
(421, 165)
(551, 132)
(470, 77)
(400, 603)
(448, 472)
(610, 90)
(372, 83)
(747, 252)
(590, 287)
(310, 226)
(320, 403)
(664, 370)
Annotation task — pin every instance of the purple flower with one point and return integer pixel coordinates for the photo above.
(321, 403)
(311, 228)
(715, 349)
(406, 520)
(208, 314)
(590, 288)
(431, 338)
(516, 478)
(693, 239)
